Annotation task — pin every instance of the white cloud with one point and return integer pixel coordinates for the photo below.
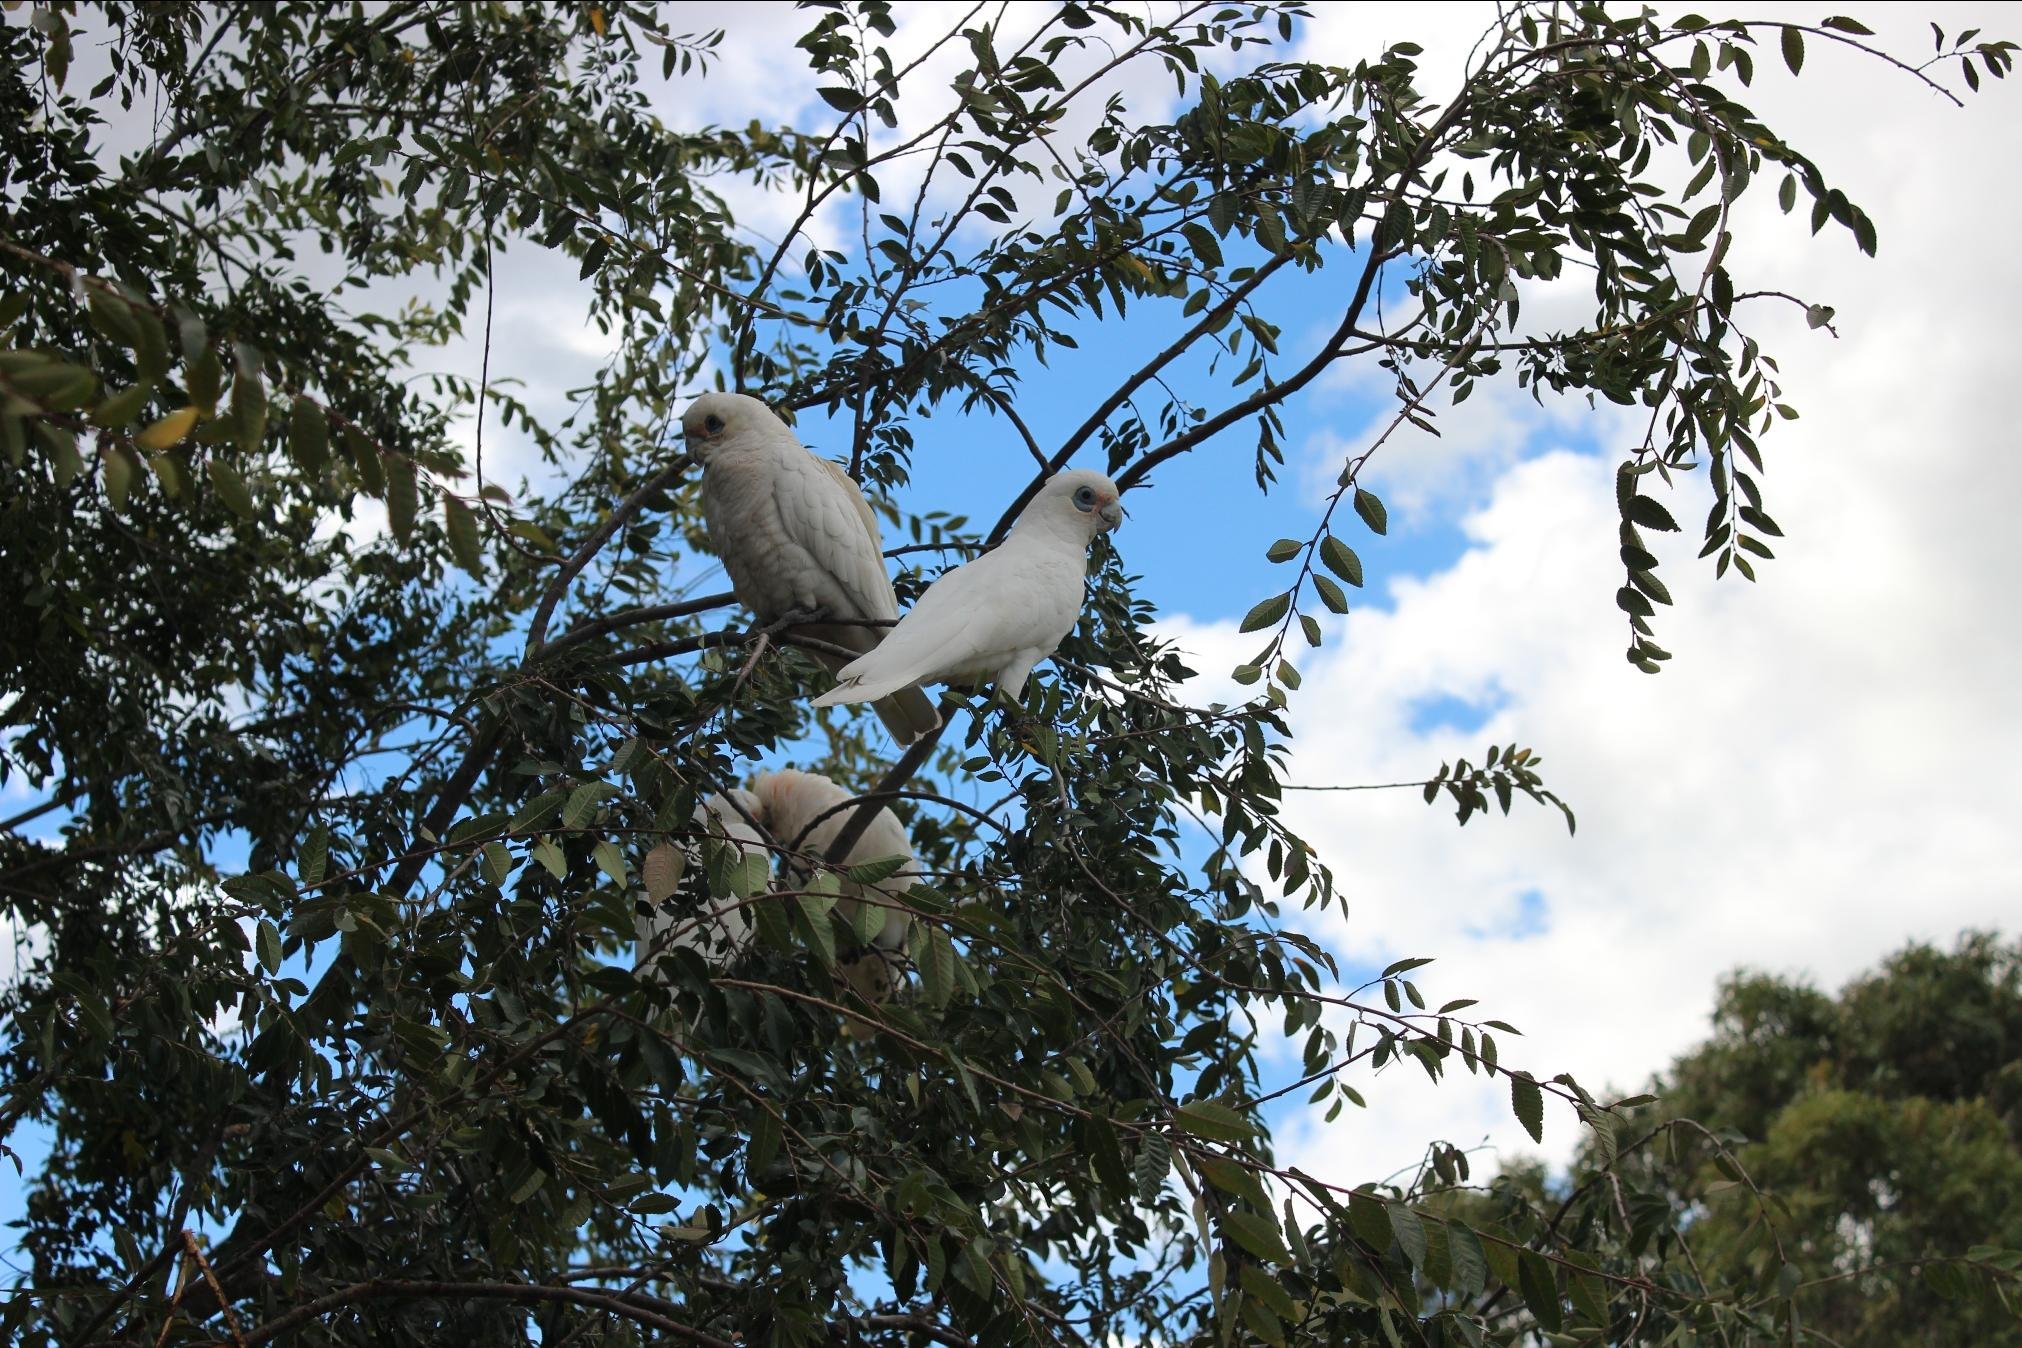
(1813, 780)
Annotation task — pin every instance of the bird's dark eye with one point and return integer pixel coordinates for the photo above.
(713, 424)
(1085, 498)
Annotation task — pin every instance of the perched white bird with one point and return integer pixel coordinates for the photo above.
(998, 616)
(796, 535)
(721, 931)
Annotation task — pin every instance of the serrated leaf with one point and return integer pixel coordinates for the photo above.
(1372, 512)
(1646, 511)
(1793, 49)
(1341, 560)
(1529, 1103)
(1470, 1262)
(1267, 612)
(810, 920)
(867, 921)
(872, 872)
(1410, 1233)
(1154, 1161)
(1257, 1234)
(1213, 1120)
(1284, 550)
(1330, 594)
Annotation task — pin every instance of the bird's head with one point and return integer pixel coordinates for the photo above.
(1082, 496)
(716, 420)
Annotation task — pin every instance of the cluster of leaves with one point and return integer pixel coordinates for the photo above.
(396, 1062)
(1850, 1163)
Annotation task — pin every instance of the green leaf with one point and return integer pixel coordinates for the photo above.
(1267, 612)
(1257, 1234)
(765, 1139)
(1372, 512)
(1470, 1262)
(267, 940)
(1370, 1216)
(401, 493)
(1650, 514)
(118, 411)
(1540, 1292)
(1284, 550)
(1341, 560)
(1793, 49)
(810, 921)
(308, 436)
(231, 488)
(1202, 240)
(1213, 1120)
(550, 857)
(498, 862)
(168, 431)
(463, 535)
(1330, 594)
(1410, 1233)
(651, 1205)
(873, 872)
(583, 803)
(536, 811)
(611, 862)
(1529, 1103)
(1154, 1161)
(1590, 1294)
(122, 469)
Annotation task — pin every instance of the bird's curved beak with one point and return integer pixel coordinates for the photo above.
(1112, 514)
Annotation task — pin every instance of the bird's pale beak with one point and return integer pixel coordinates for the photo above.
(1112, 514)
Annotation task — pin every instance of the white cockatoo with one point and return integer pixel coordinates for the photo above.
(796, 535)
(998, 616)
(720, 932)
(800, 814)
(790, 801)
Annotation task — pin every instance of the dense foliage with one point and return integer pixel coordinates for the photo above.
(1869, 1143)
(391, 1078)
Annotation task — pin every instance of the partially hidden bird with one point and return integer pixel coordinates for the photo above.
(996, 617)
(802, 812)
(797, 536)
(720, 931)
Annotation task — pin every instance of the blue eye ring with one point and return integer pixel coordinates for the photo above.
(1085, 498)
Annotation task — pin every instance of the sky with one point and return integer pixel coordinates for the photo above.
(1812, 782)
